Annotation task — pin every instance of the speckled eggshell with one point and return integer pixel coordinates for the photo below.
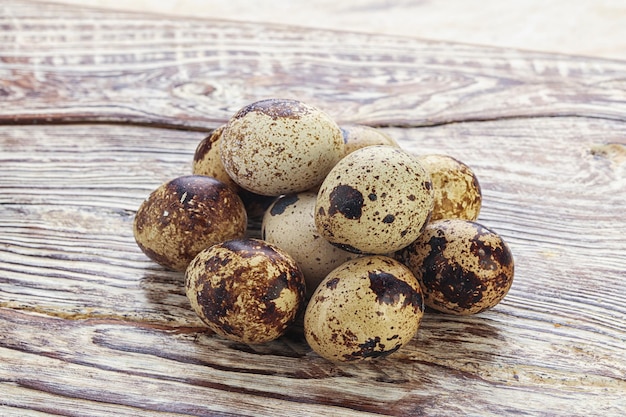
(186, 215)
(365, 309)
(245, 290)
(375, 200)
(289, 223)
(279, 146)
(357, 136)
(457, 191)
(463, 267)
(207, 160)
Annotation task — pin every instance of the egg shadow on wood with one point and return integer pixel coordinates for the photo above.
(165, 291)
(464, 343)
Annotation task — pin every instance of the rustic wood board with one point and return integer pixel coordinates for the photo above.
(98, 108)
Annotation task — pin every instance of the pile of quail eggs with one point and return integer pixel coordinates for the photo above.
(356, 237)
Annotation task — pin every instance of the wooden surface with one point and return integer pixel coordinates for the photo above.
(582, 27)
(98, 108)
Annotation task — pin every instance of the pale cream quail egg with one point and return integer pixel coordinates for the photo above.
(280, 146)
(356, 136)
(245, 290)
(367, 308)
(375, 200)
(289, 224)
(463, 267)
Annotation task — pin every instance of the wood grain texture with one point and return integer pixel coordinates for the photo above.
(190, 73)
(585, 27)
(90, 326)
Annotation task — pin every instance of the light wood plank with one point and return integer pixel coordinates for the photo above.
(191, 73)
(89, 325)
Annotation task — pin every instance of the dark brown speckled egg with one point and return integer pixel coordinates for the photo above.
(463, 267)
(245, 290)
(367, 308)
(186, 215)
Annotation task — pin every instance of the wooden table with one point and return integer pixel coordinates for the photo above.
(98, 108)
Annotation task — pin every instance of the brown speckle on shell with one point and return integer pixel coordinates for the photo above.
(275, 108)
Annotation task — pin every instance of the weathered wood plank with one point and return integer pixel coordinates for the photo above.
(194, 73)
(88, 325)
(68, 253)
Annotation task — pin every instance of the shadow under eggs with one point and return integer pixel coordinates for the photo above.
(165, 292)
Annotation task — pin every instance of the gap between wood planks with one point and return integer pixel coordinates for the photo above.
(63, 121)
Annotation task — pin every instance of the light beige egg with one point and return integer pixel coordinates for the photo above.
(280, 146)
(289, 224)
(357, 136)
(186, 215)
(375, 200)
(365, 309)
(245, 290)
(463, 267)
(456, 188)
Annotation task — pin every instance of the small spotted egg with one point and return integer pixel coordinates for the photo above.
(207, 161)
(457, 191)
(289, 224)
(357, 136)
(245, 290)
(375, 200)
(463, 267)
(367, 308)
(280, 146)
(186, 215)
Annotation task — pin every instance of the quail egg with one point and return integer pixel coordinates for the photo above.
(245, 290)
(357, 136)
(375, 200)
(280, 146)
(207, 161)
(186, 215)
(457, 191)
(289, 224)
(463, 267)
(367, 308)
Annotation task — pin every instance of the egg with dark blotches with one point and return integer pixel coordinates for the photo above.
(186, 215)
(463, 267)
(356, 136)
(376, 200)
(245, 290)
(367, 308)
(289, 223)
(280, 146)
(456, 188)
